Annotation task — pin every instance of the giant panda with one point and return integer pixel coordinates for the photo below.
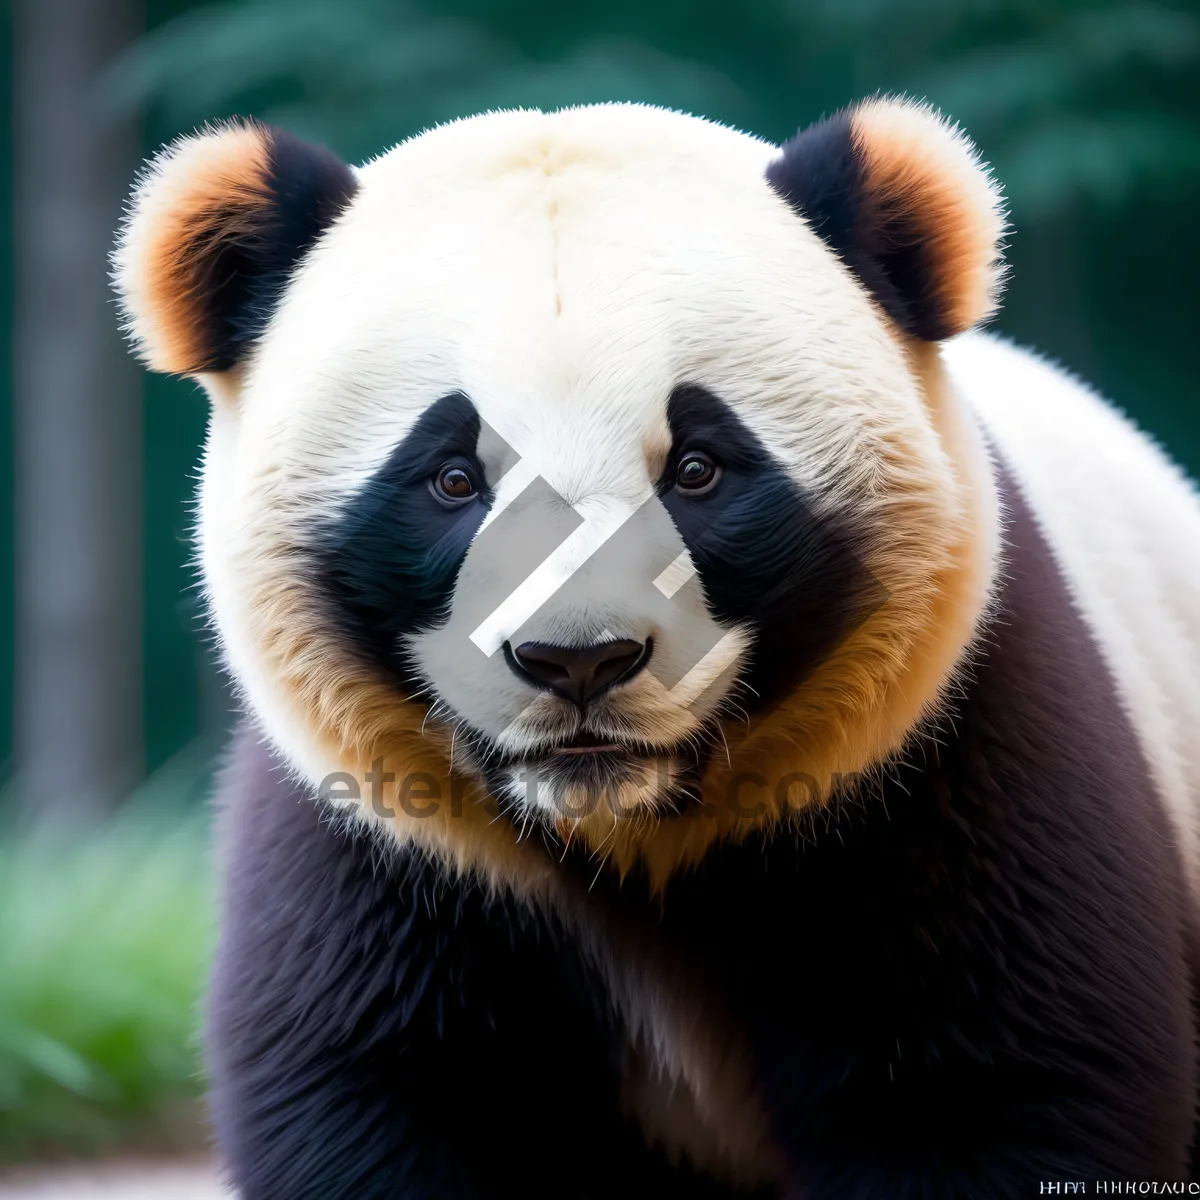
(715, 724)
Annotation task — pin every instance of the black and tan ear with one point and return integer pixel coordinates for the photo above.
(215, 228)
(902, 196)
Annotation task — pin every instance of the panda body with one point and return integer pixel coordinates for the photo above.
(1120, 519)
(893, 889)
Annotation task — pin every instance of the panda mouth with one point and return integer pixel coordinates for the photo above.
(584, 749)
(587, 744)
(595, 768)
(584, 754)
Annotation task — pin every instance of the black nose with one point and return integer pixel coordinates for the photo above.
(579, 673)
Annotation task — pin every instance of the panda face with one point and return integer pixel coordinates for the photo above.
(588, 620)
(572, 459)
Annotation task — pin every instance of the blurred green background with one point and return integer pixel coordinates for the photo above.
(1089, 112)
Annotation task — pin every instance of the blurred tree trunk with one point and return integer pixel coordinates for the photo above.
(77, 421)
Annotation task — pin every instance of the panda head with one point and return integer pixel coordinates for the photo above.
(595, 463)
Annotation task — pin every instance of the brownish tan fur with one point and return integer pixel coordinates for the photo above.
(919, 169)
(201, 191)
(892, 674)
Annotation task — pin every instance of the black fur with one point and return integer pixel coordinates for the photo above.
(242, 273)
(821, 173)
(762, 554)
(959, 983)
(973, 977)
(389, 562)
(375, 1033)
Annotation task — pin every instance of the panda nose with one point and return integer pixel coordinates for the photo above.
(578, 673)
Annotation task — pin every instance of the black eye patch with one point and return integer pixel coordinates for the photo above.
(764, 556)
(389, 561)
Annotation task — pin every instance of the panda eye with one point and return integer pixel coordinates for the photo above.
(453, 484)
(697, 474)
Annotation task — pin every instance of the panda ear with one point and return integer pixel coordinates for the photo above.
(902, 197)
(215, 227)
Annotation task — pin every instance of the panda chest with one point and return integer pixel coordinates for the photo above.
(687, 1075)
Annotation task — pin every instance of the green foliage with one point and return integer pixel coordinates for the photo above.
(1087, 99)
(1076, 100)
(102, 962)
(362, 73)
